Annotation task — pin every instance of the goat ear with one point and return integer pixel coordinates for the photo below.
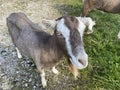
(49, 24)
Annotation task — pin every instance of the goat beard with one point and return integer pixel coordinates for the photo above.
(72, 68)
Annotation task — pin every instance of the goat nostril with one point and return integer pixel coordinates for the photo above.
(81, 61)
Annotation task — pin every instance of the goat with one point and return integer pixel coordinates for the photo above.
(46, 50)
(111, 6)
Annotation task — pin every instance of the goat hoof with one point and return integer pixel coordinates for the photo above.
(44, 84)
(89, 32)
(18, 53)
(55, 71)
(76, 76)
(19, 56)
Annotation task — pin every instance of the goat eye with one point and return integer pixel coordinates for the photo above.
(59, 34)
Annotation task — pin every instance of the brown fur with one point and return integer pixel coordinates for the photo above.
(72, 69)
(112, 6)
(40, 46)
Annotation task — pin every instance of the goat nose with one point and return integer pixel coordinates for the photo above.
(80, 61)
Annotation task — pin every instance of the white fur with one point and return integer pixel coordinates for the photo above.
(18, 53)
(88, 22)
(82, 56)
(81, 27)
(119, 35)
(55, 71)
(66, 33)
(44, 83)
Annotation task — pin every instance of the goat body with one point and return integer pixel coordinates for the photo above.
(112, 6)
(38, 45)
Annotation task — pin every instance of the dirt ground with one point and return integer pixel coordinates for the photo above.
(21, 74)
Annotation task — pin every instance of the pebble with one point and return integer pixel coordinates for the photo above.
(17, 72)
(1, 75)
(30, 79)
(34, 87)
(26, 84)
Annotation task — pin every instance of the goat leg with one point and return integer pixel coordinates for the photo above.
(44, 83)
(55, 71)
(18, 53)
(42, 74)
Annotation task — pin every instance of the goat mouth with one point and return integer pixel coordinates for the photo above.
(75, 62)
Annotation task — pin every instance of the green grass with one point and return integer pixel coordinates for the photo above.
(103, 49)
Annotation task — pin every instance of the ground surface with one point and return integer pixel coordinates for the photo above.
(102, 46)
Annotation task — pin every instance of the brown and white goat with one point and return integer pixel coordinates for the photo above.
(45, 49)
(112, 6)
